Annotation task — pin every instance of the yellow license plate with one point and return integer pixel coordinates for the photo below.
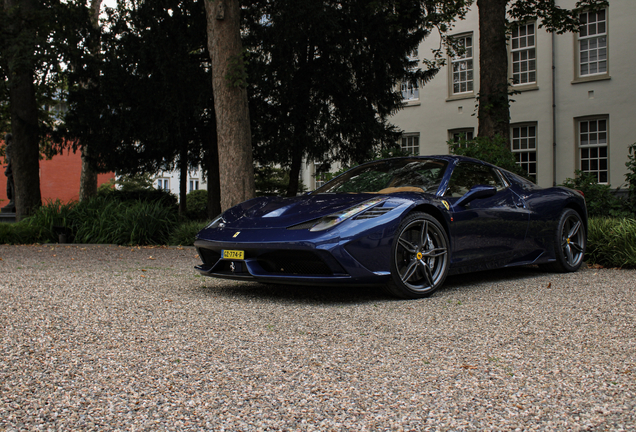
(233, 254)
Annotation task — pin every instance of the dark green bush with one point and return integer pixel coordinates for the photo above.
(611, 242)
(197, 205)
(99, 220)
(103, 220)
(147, 195)
(183, 234)
(600, 199)
(19, 233)
(52, 219)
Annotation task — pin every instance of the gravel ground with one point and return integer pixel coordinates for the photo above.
(120, 338)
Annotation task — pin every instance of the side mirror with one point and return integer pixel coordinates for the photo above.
(476, 192)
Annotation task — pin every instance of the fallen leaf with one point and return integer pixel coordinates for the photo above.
(143, 269)
(549, 284)
(468, 367)
(518, 406)
(150, 257)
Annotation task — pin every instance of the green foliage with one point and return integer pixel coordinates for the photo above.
(19, 233)
(611, 242)
(600, 199)
(237, 71)
(136, 188)
(296, 113)
(493, 150)
(184, 233)
(98, 220)
(102, 220)
(149, 105)
(51, 219)
(134, 182)
(197, 205)
(271, 181)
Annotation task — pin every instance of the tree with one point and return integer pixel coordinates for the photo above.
(35, 38)
(19, 64)
(325, 75)
(88, 176)
(236, 170)
(151, 103)
(495, 19)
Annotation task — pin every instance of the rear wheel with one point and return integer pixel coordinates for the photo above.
(569, 243)
(419, 257)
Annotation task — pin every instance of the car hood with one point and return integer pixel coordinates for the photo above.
(282, 212)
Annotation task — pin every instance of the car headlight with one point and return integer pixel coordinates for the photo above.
(334, 219)
(216, 223)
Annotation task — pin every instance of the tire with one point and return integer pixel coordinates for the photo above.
(419, 257)
(569, 243)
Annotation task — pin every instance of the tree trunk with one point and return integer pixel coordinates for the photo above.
(88, 176)
(294, 171)
(494, 110)
(183, 178)
(25, 152)
(212, 168)
(236, 171)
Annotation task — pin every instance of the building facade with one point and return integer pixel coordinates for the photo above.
(59, 178)
(574, 106)
(573, 110)
(169, 180)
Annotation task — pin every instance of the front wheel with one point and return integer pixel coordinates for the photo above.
(569, 243)
(419, 257)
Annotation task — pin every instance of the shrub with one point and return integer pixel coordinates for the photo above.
(197, 205)
(612, 242)
(19, 233)
(148, 195)
(52, 219)
(600, 200)
(103, 220)
(184, 233)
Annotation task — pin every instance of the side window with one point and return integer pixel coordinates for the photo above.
(467, 174)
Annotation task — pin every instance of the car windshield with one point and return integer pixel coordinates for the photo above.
(390, 176)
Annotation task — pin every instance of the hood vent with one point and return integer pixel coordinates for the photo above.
(304, 225)
(374, 213)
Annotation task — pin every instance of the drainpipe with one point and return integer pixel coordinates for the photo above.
(554, 133)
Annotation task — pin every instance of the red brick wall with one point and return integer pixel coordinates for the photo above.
(59, 178)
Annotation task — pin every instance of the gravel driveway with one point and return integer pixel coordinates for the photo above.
(120, 338)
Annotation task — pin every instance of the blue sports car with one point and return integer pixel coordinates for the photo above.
(405, 223)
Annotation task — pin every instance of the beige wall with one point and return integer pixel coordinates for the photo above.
(436, 113)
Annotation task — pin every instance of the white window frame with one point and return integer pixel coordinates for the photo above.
(194, 185)
(410, 91)
(523, 144)
(163, 183)
(592, 135)
(410, 142)
(455, 135)
(592, 45)
(523, 54)
(462, 70)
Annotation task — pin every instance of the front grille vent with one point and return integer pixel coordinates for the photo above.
(293, 262)
(209, 256)
(374, 212)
